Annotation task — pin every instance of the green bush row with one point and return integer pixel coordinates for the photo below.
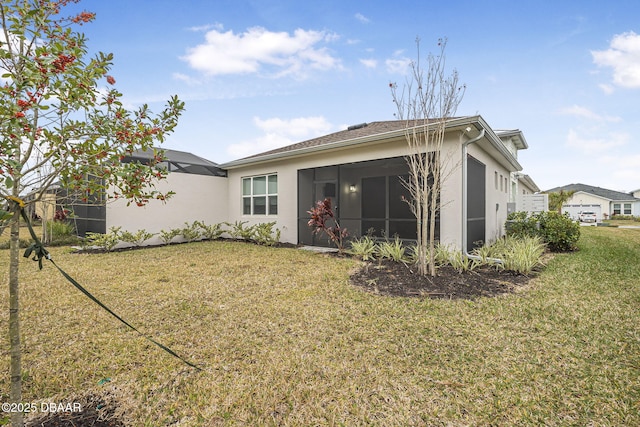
(264, 234)
(558, 231)
(626, 217)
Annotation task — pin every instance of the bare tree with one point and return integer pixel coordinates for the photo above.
(429, 98)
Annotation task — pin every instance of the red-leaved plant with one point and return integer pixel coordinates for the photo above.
(321, 216)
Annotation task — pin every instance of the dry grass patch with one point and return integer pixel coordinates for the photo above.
(286, 340)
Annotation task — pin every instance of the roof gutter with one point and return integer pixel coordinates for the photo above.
(465, 190)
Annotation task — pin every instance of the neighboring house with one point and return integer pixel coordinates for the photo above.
(603, 202)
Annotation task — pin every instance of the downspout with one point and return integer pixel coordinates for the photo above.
(465, 251)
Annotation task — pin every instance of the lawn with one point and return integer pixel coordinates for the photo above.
(284, 339)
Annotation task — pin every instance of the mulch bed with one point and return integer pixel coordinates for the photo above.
(400, 280)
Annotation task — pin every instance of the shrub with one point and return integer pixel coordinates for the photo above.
(60, 233)
(264, 234)
(521, 224)
(137, 238)
(558, 231)
(209, 232)
(59, 229)
(168, 236)
(239, 231)
(363, 248)
(191, 232)
(104, 241)
(625, 217)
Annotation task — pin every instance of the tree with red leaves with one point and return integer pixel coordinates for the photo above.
(59, 122)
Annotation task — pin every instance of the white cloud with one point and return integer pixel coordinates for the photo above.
(593, 144)
(279, 133)
(369, 63)
(585, 113)
(185, 78)
(206, 27)
(624, 171)
(623, 56)
(259, 50)
(607, 89)
(360, 17)
(398, 66)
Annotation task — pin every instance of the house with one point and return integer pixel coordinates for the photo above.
(603, 202)
(360, 169)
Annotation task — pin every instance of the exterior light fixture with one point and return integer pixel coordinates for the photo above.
(352, 188)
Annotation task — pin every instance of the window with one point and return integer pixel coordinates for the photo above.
(627, 208)
(495, 179)
(616, 209)
(260, 195)
(501, 182)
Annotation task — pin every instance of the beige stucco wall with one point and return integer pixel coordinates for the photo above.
(45, 208)
(581, 198)
(196, 198)
(451, 214)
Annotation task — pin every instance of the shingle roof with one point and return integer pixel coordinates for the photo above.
(380, 132)
(602, 192)
(357, 131)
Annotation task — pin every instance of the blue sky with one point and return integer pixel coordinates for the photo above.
(256, 75)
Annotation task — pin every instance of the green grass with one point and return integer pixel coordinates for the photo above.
(287, 341)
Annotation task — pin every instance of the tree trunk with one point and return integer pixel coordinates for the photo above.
(14, 319)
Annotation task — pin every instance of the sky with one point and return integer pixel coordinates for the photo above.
(257, 75)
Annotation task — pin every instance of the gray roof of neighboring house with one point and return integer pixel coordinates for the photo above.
(597, 191)
(181, 161)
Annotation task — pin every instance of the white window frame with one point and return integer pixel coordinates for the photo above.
(626, 209)
(250, 196)
(617, 207)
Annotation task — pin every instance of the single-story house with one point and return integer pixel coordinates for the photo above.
(603, 202)
(360, 169)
